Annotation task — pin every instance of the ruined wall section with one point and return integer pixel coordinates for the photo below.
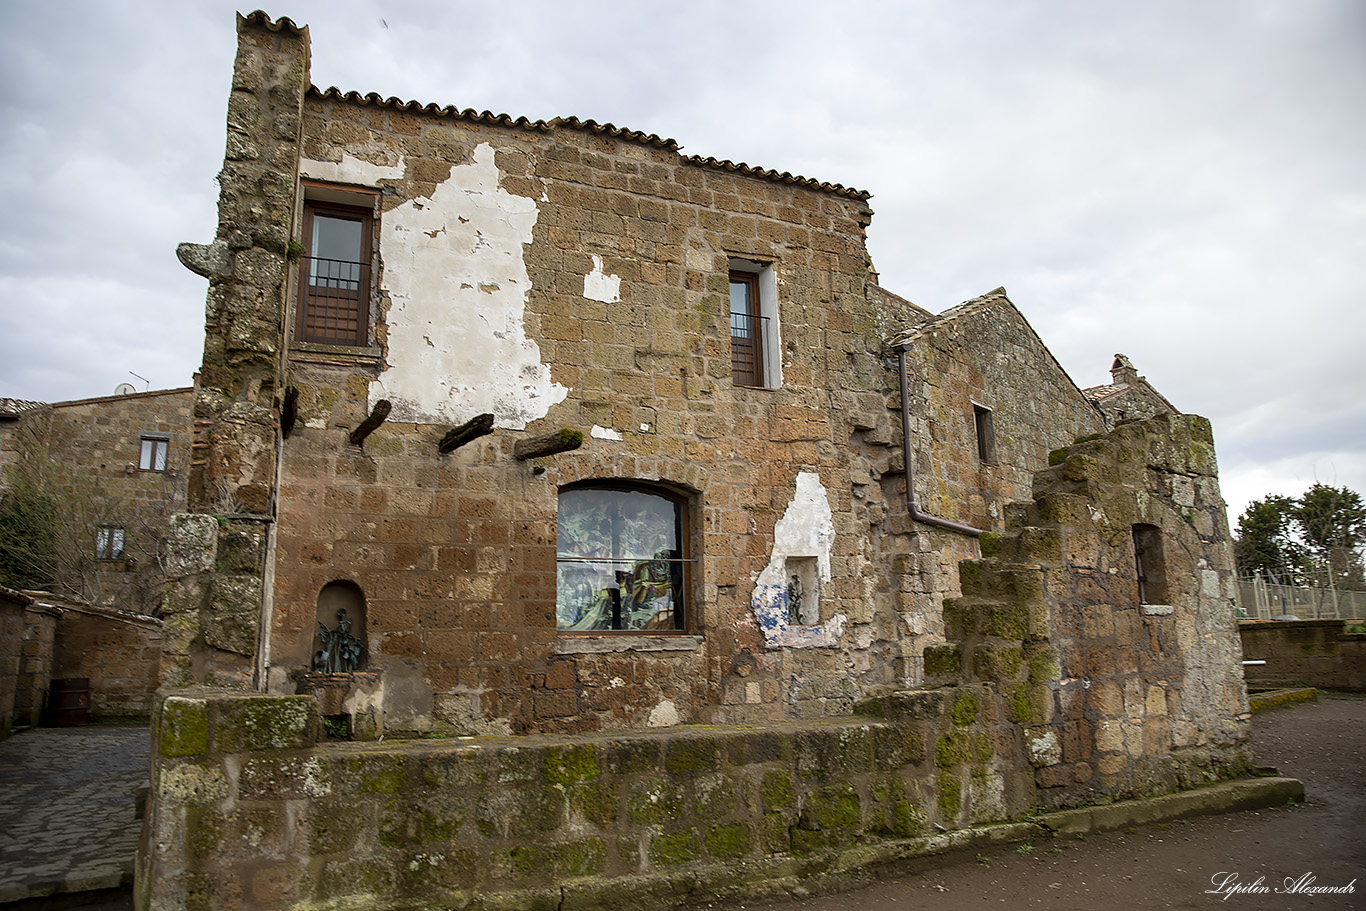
(1109, 694)
(982, 353)
(212, 610)
(625, 306)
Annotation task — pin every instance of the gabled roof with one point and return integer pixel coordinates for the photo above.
(994, 298)
(372, 99)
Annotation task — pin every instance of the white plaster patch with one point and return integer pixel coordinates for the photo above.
(600, 287)
(350, 170)
(604, 433)
(664, 715)
(457, 285)
(807, 529)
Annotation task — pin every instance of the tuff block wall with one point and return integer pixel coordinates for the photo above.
(251, 810)
(1117, 694)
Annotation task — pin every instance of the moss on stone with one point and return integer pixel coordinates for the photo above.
(627, 756)
(597, 803)
(729, 841)
(183, 727)
(1044, 665)
(652, 801)
(948, 795)
(964, 711)
(836, 808)
(990, 543)
(998, 663)
(776, 833)
(897, 746)
(715, 797)
(690, 756)
(953, 749)
(570, 437)
(1022, 704)
(943, 660)
(583, 857)
(777, 790)
(970, 576)
(674, 848)
(897, 814)
(565, 765)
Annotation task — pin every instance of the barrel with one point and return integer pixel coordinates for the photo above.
(69, 701)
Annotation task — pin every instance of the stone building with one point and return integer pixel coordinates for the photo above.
(114, 468)
(512, 427)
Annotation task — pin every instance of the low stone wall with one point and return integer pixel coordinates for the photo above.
(1304, 653)
(35, 663)
(250, 809)
(12, 609)
(119, 652)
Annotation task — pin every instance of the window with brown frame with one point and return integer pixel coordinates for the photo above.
(152, 452)
(747, 330)
(334, 275)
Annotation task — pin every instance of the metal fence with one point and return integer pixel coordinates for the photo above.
(1263, 600)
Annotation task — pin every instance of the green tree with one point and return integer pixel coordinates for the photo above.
(1332, 523)
(1265, 540)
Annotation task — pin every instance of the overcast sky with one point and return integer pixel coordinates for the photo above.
(1183, 181)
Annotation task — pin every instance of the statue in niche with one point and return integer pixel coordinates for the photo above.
(340, 651)
(794, 600)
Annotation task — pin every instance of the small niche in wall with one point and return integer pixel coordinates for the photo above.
(340, 637)
(1151, 564)
(803, 581)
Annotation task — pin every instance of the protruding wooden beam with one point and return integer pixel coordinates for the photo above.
(549, 444)
(289, 411)
(371, 424)
(471, 430)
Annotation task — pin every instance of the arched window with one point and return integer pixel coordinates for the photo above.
(621, 559)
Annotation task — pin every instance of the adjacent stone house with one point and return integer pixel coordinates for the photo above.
(544, 428)
(114, 470)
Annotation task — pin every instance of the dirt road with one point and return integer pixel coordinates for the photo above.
(1182, 864)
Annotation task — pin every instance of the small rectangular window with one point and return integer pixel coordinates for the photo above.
(334, 275)
(152, 457)
(754, 330)
(746, 330)
(986, 434)
(1151, 565)
(109, 542)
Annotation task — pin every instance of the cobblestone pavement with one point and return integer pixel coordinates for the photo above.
(67, 817)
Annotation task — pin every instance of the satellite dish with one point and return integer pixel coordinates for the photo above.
(125, 389)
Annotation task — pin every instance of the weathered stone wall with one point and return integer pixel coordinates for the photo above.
(120, 654)
(13, 606)
(251, 811)
(213, 611)
(35, 663)
(1304, 653)
(1117, 695)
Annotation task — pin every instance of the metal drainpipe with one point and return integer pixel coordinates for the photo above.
(916, 514)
